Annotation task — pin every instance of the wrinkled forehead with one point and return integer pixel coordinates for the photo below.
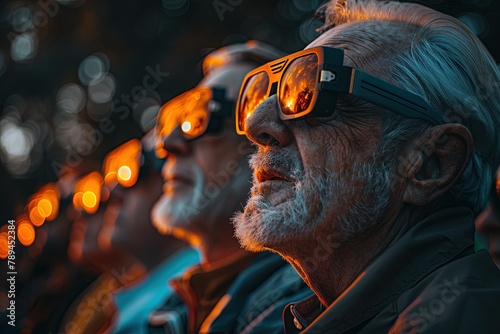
(229, 77)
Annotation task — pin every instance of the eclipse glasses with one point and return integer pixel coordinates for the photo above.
(307, 84)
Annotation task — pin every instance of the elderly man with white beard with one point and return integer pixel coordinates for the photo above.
(376, 149)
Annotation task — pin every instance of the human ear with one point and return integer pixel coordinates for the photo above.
(434, 162)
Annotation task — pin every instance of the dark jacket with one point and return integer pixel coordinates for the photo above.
(428, 281)
(253, 303)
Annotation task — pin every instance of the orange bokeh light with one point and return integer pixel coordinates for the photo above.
(36, 218)
(43, 205)
(122, 164)
(89, 199)
(25, 232)
(87, 194)
(124, 173)
(4, 245)
(44, 208)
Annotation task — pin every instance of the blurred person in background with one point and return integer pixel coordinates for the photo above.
(53, 282)
(117, 237)
(206, 179)
(488, 222)
(379, 140)
(93, 310)
(65, 280)
(131, 230)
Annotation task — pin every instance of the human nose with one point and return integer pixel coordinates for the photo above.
(175, 143)
(265, 128)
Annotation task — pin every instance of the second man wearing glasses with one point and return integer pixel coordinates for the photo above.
(206, 180)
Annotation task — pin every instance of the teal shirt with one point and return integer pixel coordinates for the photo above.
(135, 303)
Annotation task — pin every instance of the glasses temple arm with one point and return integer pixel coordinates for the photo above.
(393, 98)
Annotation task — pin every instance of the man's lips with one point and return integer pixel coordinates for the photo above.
(175, 179)
(264, 175)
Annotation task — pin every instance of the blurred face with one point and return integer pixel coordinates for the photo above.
(58, 231)
(313, 177)
(205, 179)
(83, 246)
(127, 217)
(488, 222)
(488, 225)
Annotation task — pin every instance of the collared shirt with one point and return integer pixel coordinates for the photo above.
(253, 301)
(430, 280)
(202, 288)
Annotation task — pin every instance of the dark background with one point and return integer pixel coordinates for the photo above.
(50, 51)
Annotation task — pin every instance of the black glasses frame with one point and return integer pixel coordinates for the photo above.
(219, 107)
(332, 79)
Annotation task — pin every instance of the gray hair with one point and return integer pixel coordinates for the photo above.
(434, 56)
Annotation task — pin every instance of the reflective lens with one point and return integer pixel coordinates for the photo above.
(122, 164)
(87, 194)
(298, 85)
(25, 231)
(43, 205)
(189, 111)
(254, 93)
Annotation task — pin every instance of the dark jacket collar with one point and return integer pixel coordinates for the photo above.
(428, 245)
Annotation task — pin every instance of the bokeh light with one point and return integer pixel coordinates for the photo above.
(35, 217)
(87, 194)
(89, 199)
(21, 19)
(102, 91)
(71, 98)
(122, 164)
(475, 22)
(44, 208)
(16, 143)
(23, 47)
(25, 232)
(124, 173)
(93, 69)
(4, 242)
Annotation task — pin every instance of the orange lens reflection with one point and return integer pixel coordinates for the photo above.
(36, 218)
(254, 93)
(189, 111)
(122, 164)
(4, 242)
(43, 205)
(25, 231)
(298, 84)
(87, 193)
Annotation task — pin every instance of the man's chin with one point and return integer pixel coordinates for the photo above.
(257, 228)
(161, 216)
(246, 233)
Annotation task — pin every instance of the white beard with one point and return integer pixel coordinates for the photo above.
(172, 212)
(319, 197)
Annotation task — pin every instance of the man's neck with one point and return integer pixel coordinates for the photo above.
(216, 247)
(153, 257)
(330, 267)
